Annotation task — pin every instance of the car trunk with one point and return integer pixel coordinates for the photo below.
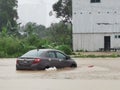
(25, 61)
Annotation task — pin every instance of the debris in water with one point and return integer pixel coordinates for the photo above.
(90, 66)
(51, 69)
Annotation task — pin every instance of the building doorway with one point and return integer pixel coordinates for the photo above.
(107, 43)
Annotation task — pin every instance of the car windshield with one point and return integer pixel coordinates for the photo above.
(33, 53)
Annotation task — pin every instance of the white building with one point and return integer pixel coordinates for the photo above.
(96, 24)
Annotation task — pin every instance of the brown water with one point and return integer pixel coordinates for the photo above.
(89, 72)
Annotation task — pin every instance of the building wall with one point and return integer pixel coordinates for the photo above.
(93, 42)
(96, 17)
(97, 23)
(93, 21)
(103, 3)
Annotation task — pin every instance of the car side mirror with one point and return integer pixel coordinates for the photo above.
(68, 57)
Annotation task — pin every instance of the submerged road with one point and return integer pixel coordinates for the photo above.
(91, 74)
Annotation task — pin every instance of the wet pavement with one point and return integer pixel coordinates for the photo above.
(89, 71)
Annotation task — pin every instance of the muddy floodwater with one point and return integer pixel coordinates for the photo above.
(90, 72)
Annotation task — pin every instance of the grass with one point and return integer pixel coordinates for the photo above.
(96, 55)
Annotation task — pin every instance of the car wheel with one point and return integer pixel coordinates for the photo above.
(46, 67)
(73, 65)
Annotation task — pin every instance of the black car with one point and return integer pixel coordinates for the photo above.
(40, 59)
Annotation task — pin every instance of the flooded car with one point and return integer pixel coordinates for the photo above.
(40, 59)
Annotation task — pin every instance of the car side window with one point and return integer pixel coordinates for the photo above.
(60, 55)
(51, 55)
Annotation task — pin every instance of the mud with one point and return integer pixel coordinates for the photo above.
(87, 69)
(90, 74)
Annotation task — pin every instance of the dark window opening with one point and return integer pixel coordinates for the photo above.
(95, 1)
(119, 36)
(89, 12)
(98, 12)
(107, 43)
(115, 36)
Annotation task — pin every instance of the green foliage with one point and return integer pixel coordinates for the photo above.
(29, 28)
(2, 54)
(66, 49)
(13, 47)
(4, 32)
(16, 40)
(63, 9)
(8, 14)
(7, 46)
(60, 34)
(49, 45)
(80, 50)
(33, 36)
(81, 55)
(34, 29)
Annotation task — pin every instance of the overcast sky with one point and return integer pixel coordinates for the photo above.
(36, 11)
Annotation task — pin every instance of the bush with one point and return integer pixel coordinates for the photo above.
(66, 49)
(11, 46)
(2, 54)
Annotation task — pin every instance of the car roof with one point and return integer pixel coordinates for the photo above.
(44, 50)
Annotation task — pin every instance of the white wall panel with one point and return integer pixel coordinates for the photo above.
(87, 16)
(93, 42)
(93, 21)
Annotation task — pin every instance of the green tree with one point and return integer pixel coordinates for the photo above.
(60, 33)
(4, 32)
(34, 29)
(63, 9)
(8, 14)
(29, 28)
(41, 31)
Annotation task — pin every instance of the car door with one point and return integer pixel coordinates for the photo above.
(54, 62)
(63, 62)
